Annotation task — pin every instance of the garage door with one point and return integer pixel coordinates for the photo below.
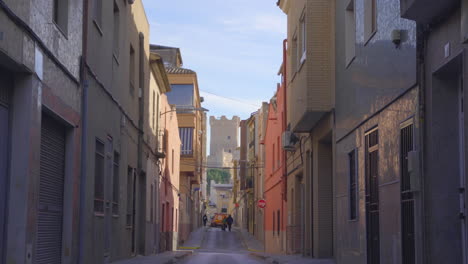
(51, 184)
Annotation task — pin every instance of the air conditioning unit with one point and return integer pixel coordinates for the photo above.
(288, 140)
(131, 1)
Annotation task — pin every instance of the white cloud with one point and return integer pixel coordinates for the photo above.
(265, 23)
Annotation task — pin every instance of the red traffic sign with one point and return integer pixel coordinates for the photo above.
(261, 203)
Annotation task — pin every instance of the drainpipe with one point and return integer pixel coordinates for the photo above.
(141, 102)
(84, 136)
(285, 167)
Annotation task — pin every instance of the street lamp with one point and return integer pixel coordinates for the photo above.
(186, 109)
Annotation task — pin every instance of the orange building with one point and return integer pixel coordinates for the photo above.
(275, 181)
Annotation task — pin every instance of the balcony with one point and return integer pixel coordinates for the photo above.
(426, 11)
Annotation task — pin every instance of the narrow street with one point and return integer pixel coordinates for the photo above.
(221, 247)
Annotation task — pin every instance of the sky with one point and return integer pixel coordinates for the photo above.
(235, 46)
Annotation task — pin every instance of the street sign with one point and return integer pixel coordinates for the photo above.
(261, 203)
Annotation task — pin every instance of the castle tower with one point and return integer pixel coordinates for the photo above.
(224, 138)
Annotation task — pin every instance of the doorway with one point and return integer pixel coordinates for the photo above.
(447, 159)
(372, 197)
(51, 192)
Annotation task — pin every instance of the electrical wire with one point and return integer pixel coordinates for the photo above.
(232, 99)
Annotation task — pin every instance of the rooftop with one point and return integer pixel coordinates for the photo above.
(177, 70)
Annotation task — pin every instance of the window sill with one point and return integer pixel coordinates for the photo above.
(348, 64)
(369, 38)
(99, 214)
(98, 27)
(115, 58)
(60, 30)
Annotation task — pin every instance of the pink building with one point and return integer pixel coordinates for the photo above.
(169, 176)
(275, 181)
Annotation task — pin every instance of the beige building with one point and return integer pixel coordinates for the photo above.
(259, 180)
(185, 96)
(310, 89)
(164, 142)
(221, 197)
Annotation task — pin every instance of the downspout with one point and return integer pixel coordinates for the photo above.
(285, 163)
(141, 102)
(84, 136)
(421, 75)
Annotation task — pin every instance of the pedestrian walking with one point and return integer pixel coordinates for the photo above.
(229, 221)
(205, 218)
(224, 225)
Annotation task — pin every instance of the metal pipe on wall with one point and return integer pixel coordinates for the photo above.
(84, 135)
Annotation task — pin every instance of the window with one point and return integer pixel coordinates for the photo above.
(278, 151)
(274, 223)
(370, 19)
(303, 30)
(353, 201)
(274, 156)
(99, 177)
(186, 137)
(350, 33)
(176, 219)
(172, 218)
(154, 108)
(163, 217)
(129, 196)
(97, 13)
(132, 70)
(116, 29)
(60, 14)
(181, 95)
(278, 221)
(116, 185)
(151, 203)
(172, 159)
(294, 56)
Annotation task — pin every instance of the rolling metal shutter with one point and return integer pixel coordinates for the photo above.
(51, 185)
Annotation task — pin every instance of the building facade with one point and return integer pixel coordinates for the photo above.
(40, 134)
(259, 180)
(186, 98)
(275, 180)
(116, 218)
(376, 118)
(164, 145)
(438, 196)
(309, 102)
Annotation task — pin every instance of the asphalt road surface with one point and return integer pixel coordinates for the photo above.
(221, 247)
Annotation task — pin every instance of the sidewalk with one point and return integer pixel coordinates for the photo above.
(195, 239)
(258, 250)
(249, 241)
(167, 257)
(290, 259)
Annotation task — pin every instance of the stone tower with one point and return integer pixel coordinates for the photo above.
(224, 139)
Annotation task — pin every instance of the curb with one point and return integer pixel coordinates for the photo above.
(196, 247)
(245, 244)
(178, 258)
(265, 258)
